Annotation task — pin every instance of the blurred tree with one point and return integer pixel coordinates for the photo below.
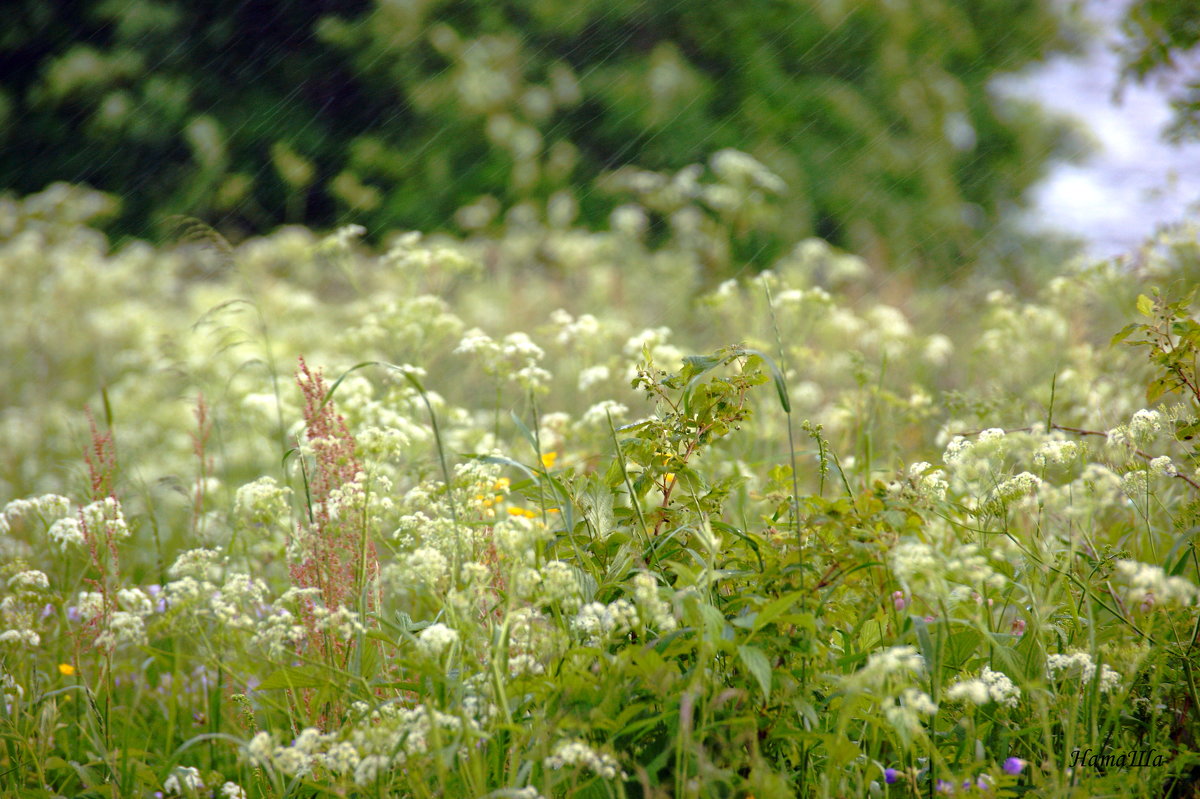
(433, 114)
(1164, 42)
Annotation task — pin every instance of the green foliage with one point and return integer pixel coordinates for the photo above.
(876, 116)
(1163, 39)
(603, 566)
(1172, 337)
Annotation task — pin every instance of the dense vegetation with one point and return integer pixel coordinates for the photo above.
(532, 514)
(1163, 43)
(445, 115)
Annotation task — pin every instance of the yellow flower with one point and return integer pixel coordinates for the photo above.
(548, 459)
(66, 669)
(516, 511)
(502, 484)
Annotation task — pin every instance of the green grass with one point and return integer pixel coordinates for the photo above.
(560, 518)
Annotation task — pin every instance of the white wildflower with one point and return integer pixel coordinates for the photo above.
(989, 686)
(185, 779)
(1080, 664)
(598, 414)
(1145, 581)
(231, 790)
(31, 581)
(1163, 465)
(591, 376)
(66, 532)
(578, 753)
(435, 639)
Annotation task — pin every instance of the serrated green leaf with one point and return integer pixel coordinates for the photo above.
(1123, 333)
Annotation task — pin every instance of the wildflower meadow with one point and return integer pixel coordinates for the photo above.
(553, 511)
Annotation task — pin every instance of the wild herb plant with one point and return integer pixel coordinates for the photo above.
(509, 538)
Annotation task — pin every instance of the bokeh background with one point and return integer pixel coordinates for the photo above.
(911, 133)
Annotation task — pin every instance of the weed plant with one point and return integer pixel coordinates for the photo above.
(544, 515)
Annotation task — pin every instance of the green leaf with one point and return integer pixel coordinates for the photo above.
(776, 378)
(776, 608)
(312, 676)
(1124, 333)
(1145, 305)
(757, 664)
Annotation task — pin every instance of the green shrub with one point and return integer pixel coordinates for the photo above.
(877, 116)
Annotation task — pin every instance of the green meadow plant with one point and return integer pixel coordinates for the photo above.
(357, 524)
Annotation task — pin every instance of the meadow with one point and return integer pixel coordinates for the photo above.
(558, 512)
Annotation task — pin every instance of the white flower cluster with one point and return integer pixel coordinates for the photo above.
(135, 600)
(517, 357)
(311, 748)
(655, 340)
(571, 330)
(923, 482)
(278, 633)
(1011, 490)
(231, 790)
(341, 623)
(989, 686)
(183, 780)
(921, 568)
(1057, 451)
(66, 532)
(905, 711)
(1163, 466)
(559, 584)
(1135, 483)
(436, 639)
(1080, 663)
(124, 628)
(49, 508)
(653, 611)
(519, 536)
(591, 376)
(235, 606)
(391, 735)
(30, 581)
(106, 517)
(577, 753)
(597, 622)
(1143, 427)
(21, 637)
(262, 503)
(897, 662)
(1150, 585)
(199, 564)
(598, 415)
(427, 567)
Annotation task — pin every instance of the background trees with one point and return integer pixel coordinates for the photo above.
(401, 114)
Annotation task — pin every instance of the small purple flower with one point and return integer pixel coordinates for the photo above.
(153, 590)
(1013, 765)
(898, 600)
(73, 613)
(983, 782)
(945, 787)
(47, 611)
(890, 775)
(1018, 627)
